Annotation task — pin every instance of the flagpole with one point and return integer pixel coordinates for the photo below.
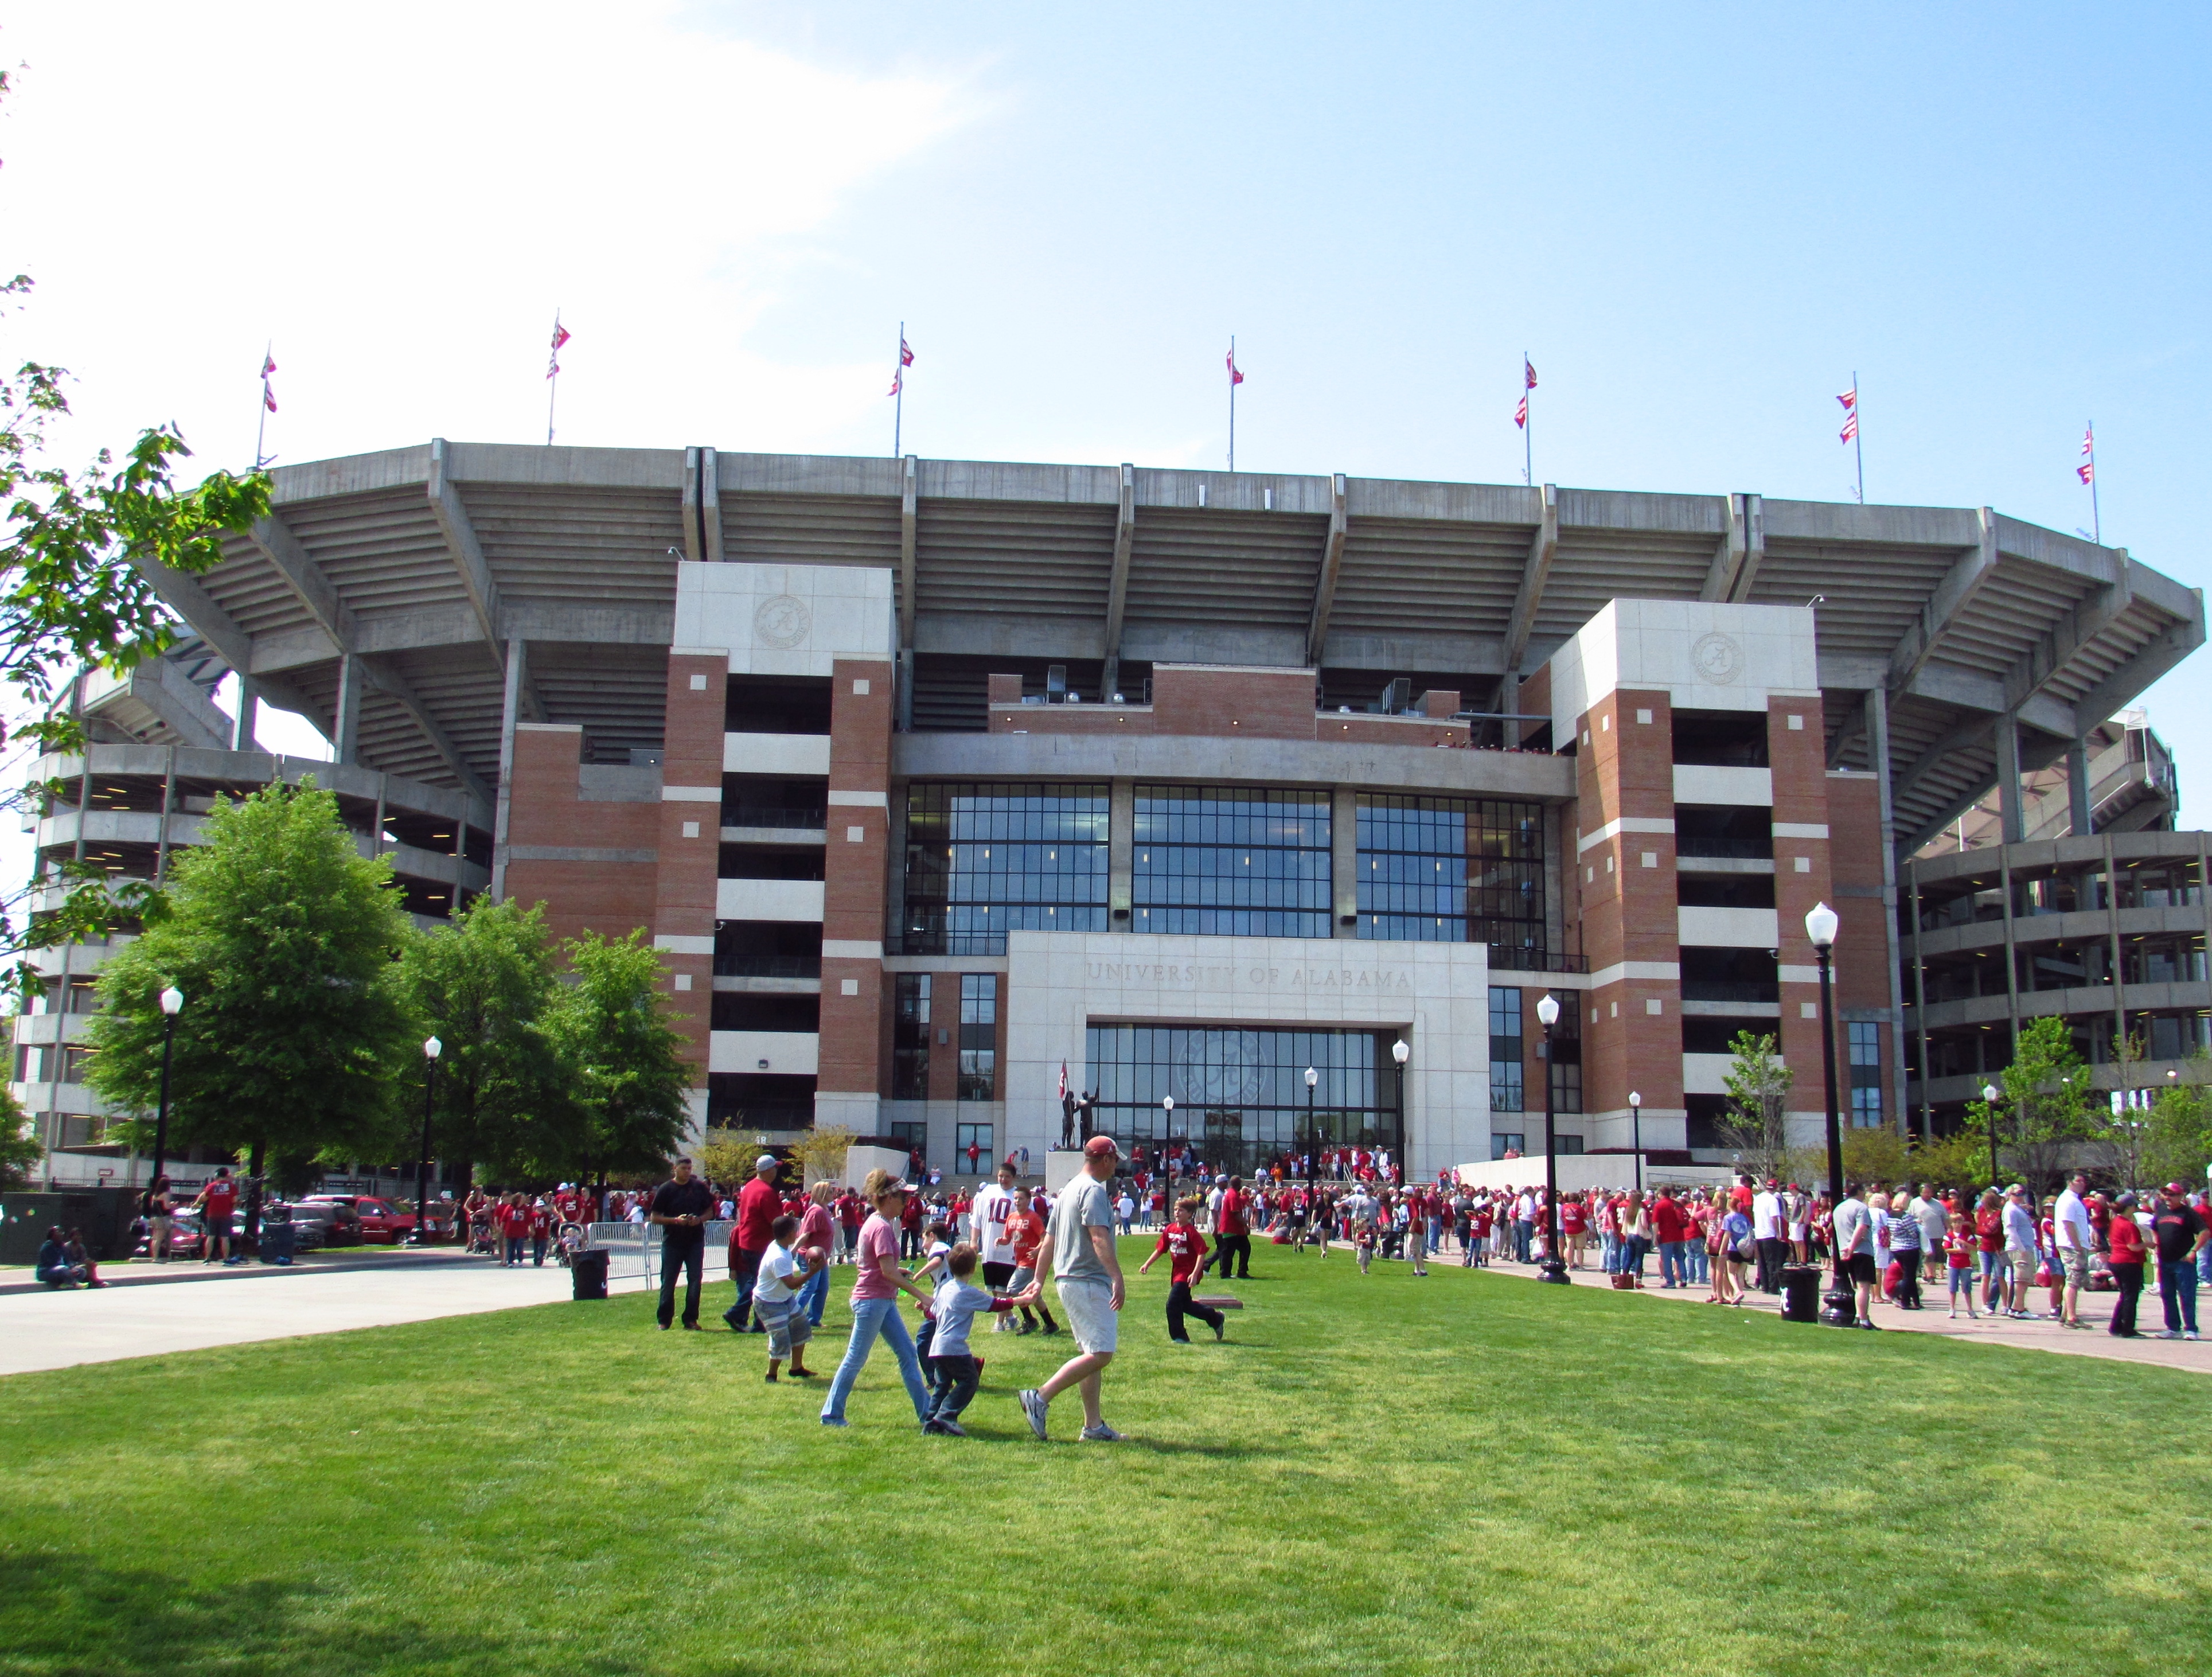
(2096, 518)
(261, 427)
(1232, 401)
(553, 378)
(1858, 439)
(1528, 428)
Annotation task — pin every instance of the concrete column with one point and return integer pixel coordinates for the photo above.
(1920, 1016)
(1343, 862)
(345, 717)
(1121, 856)
(249, 705)
(168, 804)
(2010, 816)
(518, 675)
(2080, 820)
(1877, 732)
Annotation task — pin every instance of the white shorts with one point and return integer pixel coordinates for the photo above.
(1092, 1322)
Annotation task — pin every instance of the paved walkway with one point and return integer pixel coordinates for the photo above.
(54, 1330)
(2093, 1341)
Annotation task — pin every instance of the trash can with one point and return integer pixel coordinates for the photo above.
(1801, 1293)
(279, 1242)
(587, 1273)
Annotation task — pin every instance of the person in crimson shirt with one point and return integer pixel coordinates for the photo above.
(1232, 1230)
(2125, 1244)
(1026, 1233)
(758, 1207)
(217, 1200)
(1667, 1227)
(514, 1215)
(541, 1231)
(1186, 1250)
(910, 1225)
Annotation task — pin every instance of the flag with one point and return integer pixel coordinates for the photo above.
(898, 380)
(1528, 376)
(1850, 399)
(906, 356)
(1851, 427)
(268, 396)
(1521, 413)
(2086, 472)
(2089, 442)
(1063, 1080)
(268, 366)
(1235, 377)
(560, 336)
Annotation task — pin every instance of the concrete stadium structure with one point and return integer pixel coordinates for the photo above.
(1227, 757)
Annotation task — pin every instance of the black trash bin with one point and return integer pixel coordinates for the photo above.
(587, 1273)
(1801, 1293)
(278, 1241)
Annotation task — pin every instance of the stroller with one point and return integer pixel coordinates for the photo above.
(572, 1239)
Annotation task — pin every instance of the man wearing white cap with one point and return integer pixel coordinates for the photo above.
(758, 1207)
(1079, 1246)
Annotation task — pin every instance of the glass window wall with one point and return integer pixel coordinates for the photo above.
(1506, 1050)
(979, 1035)
(982, 860)
(910, 1037)
(1454, 870)
(1229, 862)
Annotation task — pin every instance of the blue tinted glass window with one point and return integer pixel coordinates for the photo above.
(1224, 861)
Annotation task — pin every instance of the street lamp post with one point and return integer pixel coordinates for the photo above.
(1554, 1269)
(1167, 1105)
(172, 1003)
(1821, 925)
(1401, 1052)
(1636, 1123)
(432, 1048)
(1313, 1140)
(1989, 1100)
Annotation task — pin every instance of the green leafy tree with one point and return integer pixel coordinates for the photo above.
(20, 1152)
(505, 1096)
(2176, 1139)
(283, 937)
(2044, 1114)
(627, 1057)
(73, 595)
(1755, 1126)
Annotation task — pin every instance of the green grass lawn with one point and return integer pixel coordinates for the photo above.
(1465, 1475)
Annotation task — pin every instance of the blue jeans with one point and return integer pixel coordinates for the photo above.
(814, 1295)
(2177, 1291)
(871, 1317)
(1674, 1263)
(1522, 1234)
(1633, 1249)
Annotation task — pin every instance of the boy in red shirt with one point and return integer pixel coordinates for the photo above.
(1186, 1250)
(1025, 1229)
(217, 1200)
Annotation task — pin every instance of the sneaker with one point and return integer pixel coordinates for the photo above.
(1217, 1328)
(2189, 1334)
(1028, 1328)
(834, 1420)
(1102, 1434)
(771, 1379)
(2169, 1334)
(1033, 1408)
(949, 1429)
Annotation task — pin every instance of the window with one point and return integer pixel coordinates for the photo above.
(1453, 870)
(910, 1037)
(979, 1035)
(1232, 863)
(910, 1135)
(977, 1136)
(1506, 1050)
(1240, 1095)
(1566, 1087)
(1504, 1145)
(984, 860)
(1866, 1073)
(1564, 1145)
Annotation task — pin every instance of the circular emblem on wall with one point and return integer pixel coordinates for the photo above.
(1718, 657)
(1218, 1068)
(781, 620)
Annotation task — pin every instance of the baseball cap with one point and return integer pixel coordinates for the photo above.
(768, 1161)
(2175, 1188)
(1100, 1146)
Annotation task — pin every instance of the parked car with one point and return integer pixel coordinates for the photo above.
(380, 1220)
(184, 1236)
(325, 1223)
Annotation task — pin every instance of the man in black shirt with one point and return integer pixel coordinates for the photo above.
(2179, 1231)
(680, 1207)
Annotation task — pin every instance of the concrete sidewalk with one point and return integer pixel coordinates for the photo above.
(54, 1330)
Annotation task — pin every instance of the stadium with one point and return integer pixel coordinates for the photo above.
(940, 782)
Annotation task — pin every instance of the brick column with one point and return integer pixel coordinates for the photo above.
(1797, 751)
(690, 839)
(1626, 776)
(852, 1072)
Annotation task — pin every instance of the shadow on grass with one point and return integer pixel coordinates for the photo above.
(69, 1616)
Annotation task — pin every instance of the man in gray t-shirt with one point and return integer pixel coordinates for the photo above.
(1079, 1248)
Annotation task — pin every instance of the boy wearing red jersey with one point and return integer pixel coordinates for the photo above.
(1186, 1250)
(1025, 1229)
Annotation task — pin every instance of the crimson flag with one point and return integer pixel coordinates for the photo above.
(1235, 377)
(1521, 413)
(1851, 427)
(906, 356)
(1850, 399)
(1529, 373)
(2086, 472)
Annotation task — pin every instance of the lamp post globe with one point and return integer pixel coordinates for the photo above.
(172, 1003)
(1636, 1137)
(1555, 1267)
(432, 1048)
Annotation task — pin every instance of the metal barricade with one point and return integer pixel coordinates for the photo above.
(633, 1249)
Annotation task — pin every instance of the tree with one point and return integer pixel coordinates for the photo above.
(2176, 1139)
(506, 1097)
(1877, 1153)
(627, 1058)
(19, 1147)
(1755, 1126)
(73, 594)
(2046, 1097)
(281, 936)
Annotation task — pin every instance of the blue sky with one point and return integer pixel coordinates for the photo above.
(1697, 221)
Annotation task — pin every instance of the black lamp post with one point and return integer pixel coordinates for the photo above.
(1167, 1105)
(1313, 1138)
(431, 1048)
(1401, 1052)
(1989, 1100)
(1636, 1124)
(172, 1003)
(1839, 1307)
(1555, 1267)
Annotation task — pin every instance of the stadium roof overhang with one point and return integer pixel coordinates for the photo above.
(424, 564)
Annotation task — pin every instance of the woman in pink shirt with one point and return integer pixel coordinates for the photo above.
(878, 1280)
(816, 1229)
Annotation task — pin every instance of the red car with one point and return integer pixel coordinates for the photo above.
(380, 1220)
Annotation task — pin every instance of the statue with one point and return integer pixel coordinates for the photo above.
(1068, 1106)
